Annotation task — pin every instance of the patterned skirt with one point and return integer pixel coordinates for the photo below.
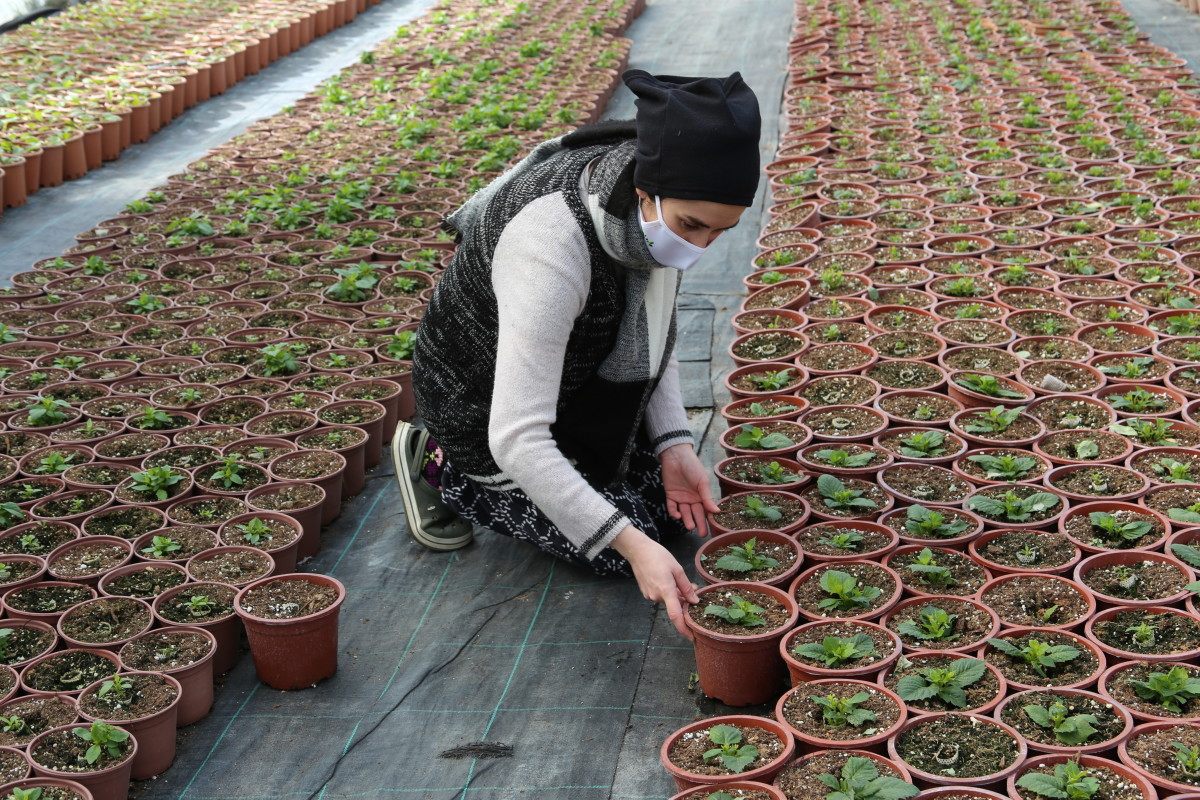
(639, 496)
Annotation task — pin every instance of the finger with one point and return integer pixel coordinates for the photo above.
(685, 513)
(673, 509)
(687, 589)
(675, 613)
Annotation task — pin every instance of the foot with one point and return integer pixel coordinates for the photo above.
(430, 521)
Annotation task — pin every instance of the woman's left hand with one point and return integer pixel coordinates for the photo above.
(689, 494)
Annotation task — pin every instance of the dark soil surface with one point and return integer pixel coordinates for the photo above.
(966, 577)
(191, 539)
(235, 568)
(896, 521)
(106, 619)
(65, 752)
(1061, 674)
(979, 693)
(146, 583)
(179, 609)
(809, 454)
(1153, 752)
(160, 651)
(774, 613)
(812, 495)
(688, 752)
(17, 571)
(1108, 723)
(68, 672)
(146, 695)
(1100, 482)
(288, 498)
(1027, 600)
(815, 539)
(809, 594)
(37, 541)
(1021, 429)
(955, 746)
(125, 522)
(926, 483)
(13, 766)
(1141, 580)
(291, 599)
(48, 599)
(837, 390)
(803, 713)
(786, 556)
(1172, 633)
(23, 644)
(769, 346)
(918, 410)
(1048, 549)
(1080, 527)
(39, 714)
(884, 645)
(971, 624)
(731, 515)
(88, 559)
(210, 511)
(307, 466)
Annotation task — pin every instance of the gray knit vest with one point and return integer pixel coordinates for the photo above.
(455, 357)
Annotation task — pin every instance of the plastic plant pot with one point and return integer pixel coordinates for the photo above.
(298, 652)
(888, 598)
(195, 679)
(1146, 655)
(1114, 675)
(1164, 783)
(705, 559)
(155, 733)
(963, 644)
(928, 780)
(1130, 558)
(1093, 748)
(1126, 774)
(741, 669)
(861, 668)
(762, 773)
(1033, 582)
(1076, 640)
(109, 783)
(875, 742)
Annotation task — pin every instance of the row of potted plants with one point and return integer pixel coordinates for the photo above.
(77, 95)
(188, 394)
(959, 463)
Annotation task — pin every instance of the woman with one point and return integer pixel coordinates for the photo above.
(545, 369)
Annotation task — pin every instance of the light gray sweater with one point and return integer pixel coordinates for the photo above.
(541, 276)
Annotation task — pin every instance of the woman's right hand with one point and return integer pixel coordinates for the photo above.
(659, 576)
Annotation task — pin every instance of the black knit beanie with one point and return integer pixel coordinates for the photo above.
(697, 138)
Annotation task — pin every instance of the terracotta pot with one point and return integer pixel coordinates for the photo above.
(284, 555)
(797, 374)
(940, 475)
(1113, 674)
(800, 671)
(804, 457)
(927, 780)
(730, 485)
(36, 563)
(293, 653)
(731, 412)
(330, 483)
(1067, 469)
(1164, 783)
(879, 553)
(109, 645)
(217, 552)
(1037, 748)
(1120, 557)
(130, 569)
(111, 783)
(1118, 654)
(763, 537)
(195, 679)
(763, 773)
(972, 399)
(813, 573)
(309, 517)
(25, 686)
(227, 631)
(875, 742)
(957, 425)
(938, 601)
(798, 435)
(977, 545)
(155, 733)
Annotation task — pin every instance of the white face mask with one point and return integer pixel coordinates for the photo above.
(668, 248)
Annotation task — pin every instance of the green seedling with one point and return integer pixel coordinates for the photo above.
(1005, 467)
(772, 381)
(47, 411)
(844, 592)
(755, 438)
(924, 523)
(842, 459)
(860, 780)
(988, 385)
(199, 605)
(743, 558)
(162, 547)
(156, 481)
(255, 530)
(732, 754)
(993, 421)
(1111, 530)
(1039, 655)
(836, 495)
(1173, 471)
(757, 508)
(843, 540)
(947, 684)
(102, 738)
(1172, 690)
(1069, 729)
(1011, 507)
(120, 688)
(835, 651)
(739, 612)
(929, 572)
(1069, 781)
(839, 711)
(924, 444)
(933, 624)
(1188, 758)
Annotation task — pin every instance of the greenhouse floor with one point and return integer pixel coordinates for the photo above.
(493, 672)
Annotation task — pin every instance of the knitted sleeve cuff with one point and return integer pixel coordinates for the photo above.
(604, 535)
(670, 439)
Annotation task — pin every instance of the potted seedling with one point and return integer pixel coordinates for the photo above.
(725, 750)
(852, 590)
(1034, 658)
(760, 556)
